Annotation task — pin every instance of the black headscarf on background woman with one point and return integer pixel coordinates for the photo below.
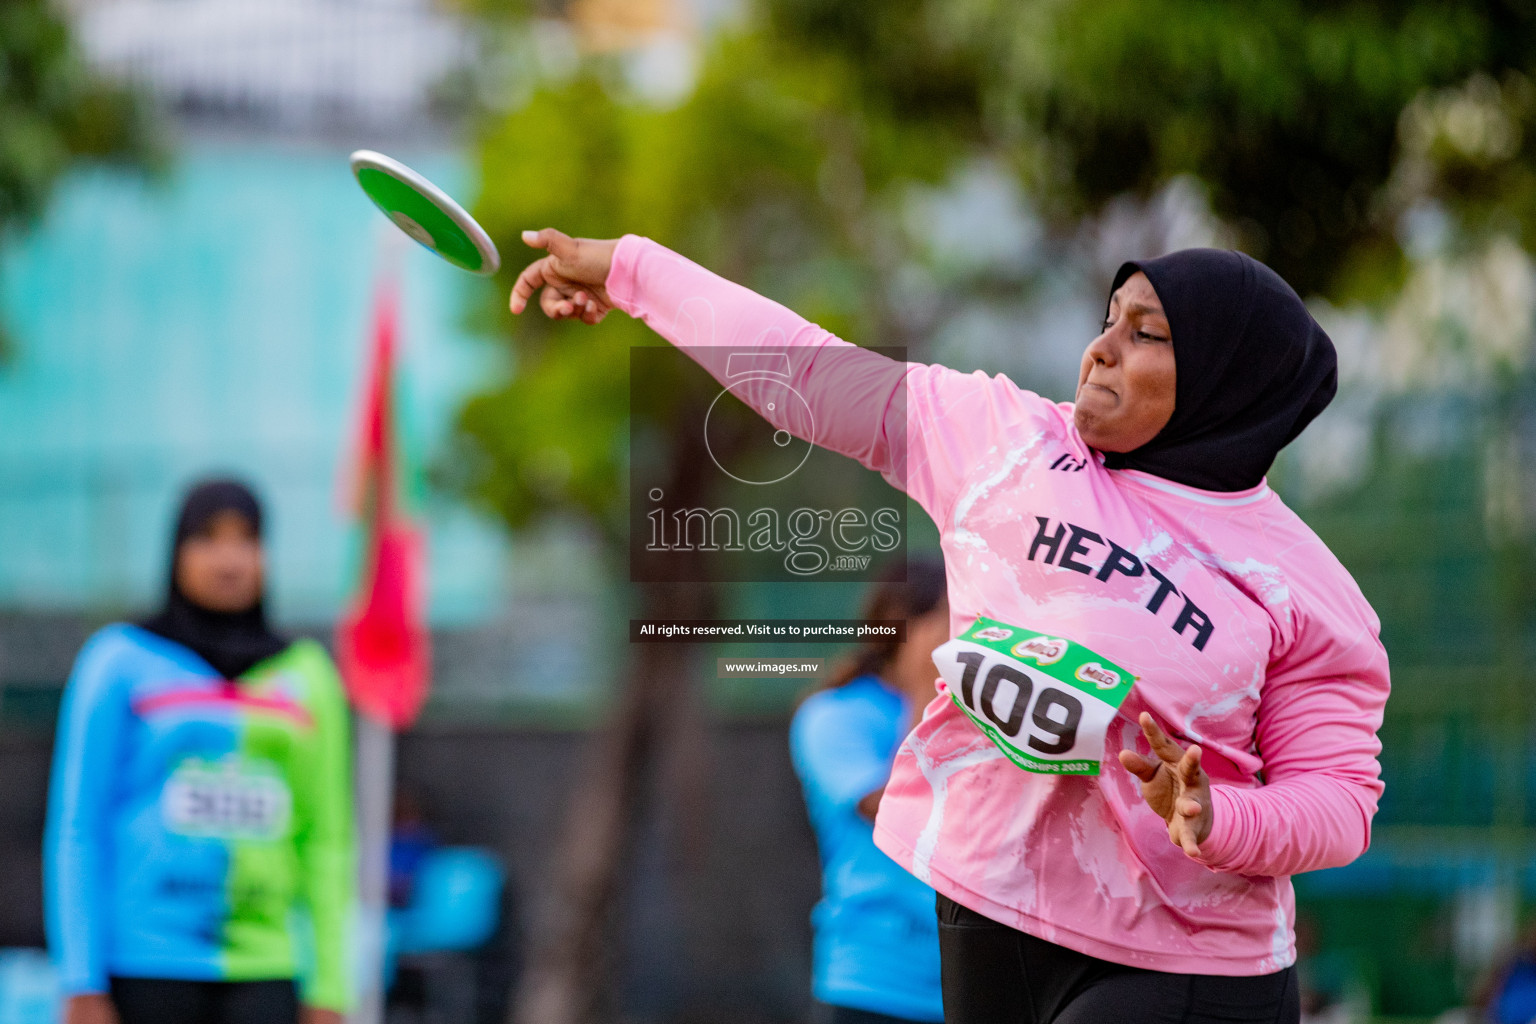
(1253, 369)
(231, 642)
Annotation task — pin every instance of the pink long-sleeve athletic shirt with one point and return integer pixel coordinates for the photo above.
(1245, 634)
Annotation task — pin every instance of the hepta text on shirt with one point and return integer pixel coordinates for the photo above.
(1062, 546)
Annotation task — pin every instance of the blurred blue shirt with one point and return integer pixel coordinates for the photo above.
(876, 935)
(1515, 1000)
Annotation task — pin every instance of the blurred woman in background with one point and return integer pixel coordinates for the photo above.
(876, 953)
(200, 795)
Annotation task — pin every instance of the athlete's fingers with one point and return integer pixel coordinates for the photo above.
(1188, 842)
(1189, 807)
(1162, 746)
(528, 282)
(537, 239)
(1143, 768)
(554, 304)
(559, 244)
(1189, 766)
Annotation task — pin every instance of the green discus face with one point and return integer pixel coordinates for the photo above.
(425, 212)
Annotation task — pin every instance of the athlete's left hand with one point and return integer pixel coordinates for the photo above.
(316, 1015)
(1174, 785)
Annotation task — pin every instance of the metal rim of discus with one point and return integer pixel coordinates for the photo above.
(425, 212)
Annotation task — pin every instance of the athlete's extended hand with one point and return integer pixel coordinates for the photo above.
(1174, 785)
(574, 276)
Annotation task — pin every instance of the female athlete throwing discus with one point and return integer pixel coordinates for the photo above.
(1162, 693)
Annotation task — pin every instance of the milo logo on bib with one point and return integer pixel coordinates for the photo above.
(1046, 701)
(234, 798)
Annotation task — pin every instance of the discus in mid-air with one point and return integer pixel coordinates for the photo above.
(425, 212)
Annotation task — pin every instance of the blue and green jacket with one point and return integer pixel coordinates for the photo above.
(200, 828)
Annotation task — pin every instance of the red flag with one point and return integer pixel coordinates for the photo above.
(382, 643)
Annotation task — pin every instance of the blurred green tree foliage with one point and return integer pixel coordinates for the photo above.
(54, 112)
(1295, 114)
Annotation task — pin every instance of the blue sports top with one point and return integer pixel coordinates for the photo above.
(194, 823)
(876, 935)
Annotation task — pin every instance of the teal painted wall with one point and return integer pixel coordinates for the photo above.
(217, 319)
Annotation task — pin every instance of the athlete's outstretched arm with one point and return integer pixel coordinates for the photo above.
(920, 426)
(77, 848)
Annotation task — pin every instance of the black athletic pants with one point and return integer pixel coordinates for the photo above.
(995, 975)
(170, 1001)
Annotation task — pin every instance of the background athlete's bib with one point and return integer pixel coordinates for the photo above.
(235, 798)
(1046, 701)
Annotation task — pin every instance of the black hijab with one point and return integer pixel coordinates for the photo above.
(231, 642)
(1253, 369)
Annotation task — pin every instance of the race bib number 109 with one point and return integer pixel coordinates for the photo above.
(1045, 701)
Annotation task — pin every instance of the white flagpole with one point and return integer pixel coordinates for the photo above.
(375, 788)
